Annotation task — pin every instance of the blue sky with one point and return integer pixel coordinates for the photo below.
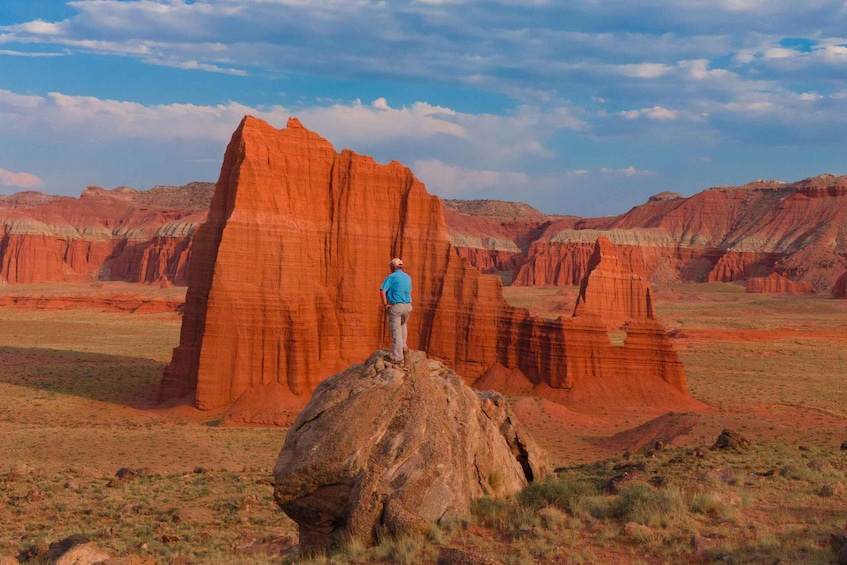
(582, 107)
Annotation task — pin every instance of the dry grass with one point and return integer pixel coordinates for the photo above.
(76, 390)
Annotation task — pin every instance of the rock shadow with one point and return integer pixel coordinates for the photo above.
(116, 379)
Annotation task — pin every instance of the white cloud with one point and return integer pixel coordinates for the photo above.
(698, 69)
(18, 102)
(36, 27)
(19, 180)
(654, 113)
(627, 172)
(194, 65)
(644, 70)
(780, 53)
(452, 181)
(93, 120)
(426, 131)
(496, 137)
(835, 53)
(358, 123)
(29, 53)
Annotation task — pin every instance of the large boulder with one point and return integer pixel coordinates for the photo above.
(382, 447)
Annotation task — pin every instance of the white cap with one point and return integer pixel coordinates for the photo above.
(396, 262)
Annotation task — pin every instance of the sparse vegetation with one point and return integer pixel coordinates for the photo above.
(75, 406)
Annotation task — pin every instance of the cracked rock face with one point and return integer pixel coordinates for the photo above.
(386, 447)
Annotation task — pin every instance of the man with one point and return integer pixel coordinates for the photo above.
(396, 292)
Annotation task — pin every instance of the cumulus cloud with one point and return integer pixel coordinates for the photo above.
(37, 27)
(779, 53)
(698, 69)
(93, 120)
(627, 172)
(453, 181)
(654, 113)
(662, 71)
(644, 70)
(19, 180)
(437, 136)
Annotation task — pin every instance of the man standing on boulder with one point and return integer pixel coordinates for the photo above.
(396, 292)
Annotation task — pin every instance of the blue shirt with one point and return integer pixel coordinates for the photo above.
(397, 287)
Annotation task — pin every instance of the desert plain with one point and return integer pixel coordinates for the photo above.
(81, 364)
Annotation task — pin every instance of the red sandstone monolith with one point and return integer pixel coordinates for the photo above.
(283, 287)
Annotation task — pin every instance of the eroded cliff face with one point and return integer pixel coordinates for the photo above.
(722, 234)
(283, 290)
(494, 236)
(777, 284)
(120, 234)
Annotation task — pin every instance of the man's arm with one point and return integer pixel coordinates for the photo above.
(384, 297)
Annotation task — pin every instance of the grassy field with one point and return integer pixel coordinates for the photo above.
(76, 405)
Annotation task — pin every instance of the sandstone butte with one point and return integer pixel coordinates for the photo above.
(777, 284)
(722, 234)
(282, 293)
(113, 235)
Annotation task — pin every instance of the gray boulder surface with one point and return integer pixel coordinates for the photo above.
(391, 448)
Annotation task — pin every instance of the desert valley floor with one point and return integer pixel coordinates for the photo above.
(80, 365)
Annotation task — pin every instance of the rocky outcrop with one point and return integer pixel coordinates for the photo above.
(283, 279)
(382, 448)
(611, 292)
(777, 284)
(121, 234)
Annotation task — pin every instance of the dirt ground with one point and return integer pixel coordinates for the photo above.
(79, 370)
(79, 383)
(768, 366)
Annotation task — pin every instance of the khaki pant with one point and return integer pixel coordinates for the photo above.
(398, 314)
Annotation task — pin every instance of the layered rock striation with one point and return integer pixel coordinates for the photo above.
(777, 284)
(381, 448)
(722, 234)
(283, 290)
(494, 236)
(118, 235)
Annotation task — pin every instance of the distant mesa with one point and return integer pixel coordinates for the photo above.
(110, 235)
(496, 209)
(281, 293)
(724, 234)
(666, 195)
